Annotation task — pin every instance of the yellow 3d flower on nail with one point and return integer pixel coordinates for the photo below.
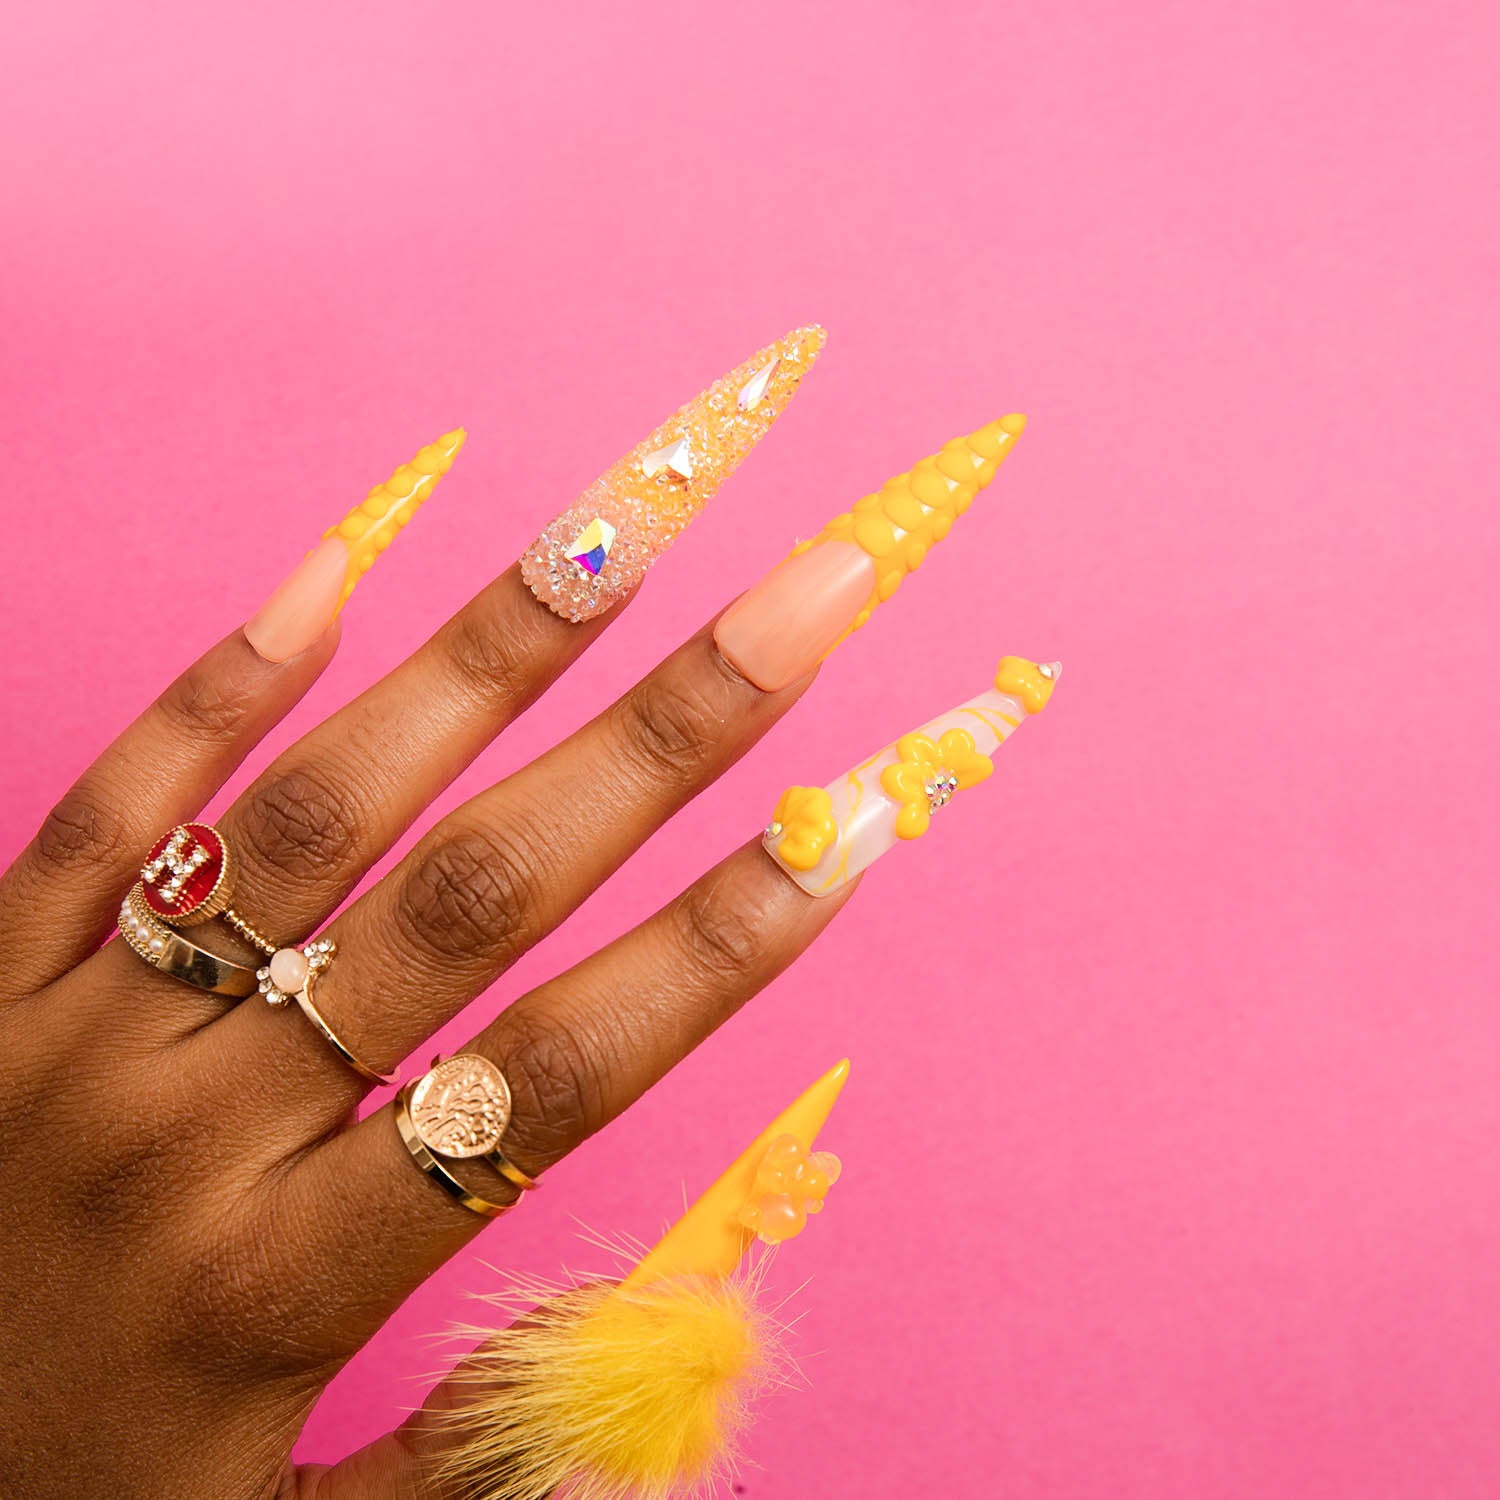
(790, 1184)
(927, 773)
(1029, 684)
(803, 824)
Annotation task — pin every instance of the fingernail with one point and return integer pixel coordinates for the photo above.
(307, 601)
(710, 1239)
(599, 549)
(823, 837)
(784, 626)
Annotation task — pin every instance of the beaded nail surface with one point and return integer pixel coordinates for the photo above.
(373, 524)
(593, 554)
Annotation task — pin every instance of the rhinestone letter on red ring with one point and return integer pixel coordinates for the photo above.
(187, 877)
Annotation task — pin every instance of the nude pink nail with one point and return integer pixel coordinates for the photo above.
(308, 599)
(789, 621)
(303, 604)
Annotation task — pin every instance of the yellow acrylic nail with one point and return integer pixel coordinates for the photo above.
(372, 525)
(900, 522)
(710, 1238)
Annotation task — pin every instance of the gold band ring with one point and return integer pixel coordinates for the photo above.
(460, 1110)
(292, 974)
(180, 957)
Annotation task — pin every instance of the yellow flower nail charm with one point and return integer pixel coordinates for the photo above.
(802, 826)
(824, 839)
(927, 773)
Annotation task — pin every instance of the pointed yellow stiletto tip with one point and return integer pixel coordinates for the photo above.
(907, 516)
(709, 1240)
(372, 525)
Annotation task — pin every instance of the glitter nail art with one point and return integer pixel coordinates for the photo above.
(596, 552)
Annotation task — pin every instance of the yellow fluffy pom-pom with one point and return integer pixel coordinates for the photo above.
(604, 1391)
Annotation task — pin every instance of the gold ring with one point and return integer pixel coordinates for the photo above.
(178, 956)
(292, 974)
(460, 1110)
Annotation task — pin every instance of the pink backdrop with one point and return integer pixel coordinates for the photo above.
(1171, 1136)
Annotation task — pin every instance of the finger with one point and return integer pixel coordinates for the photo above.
(401, 1465)
(312, 825)
(62, 896)
(495, 876)
(576, 1052)
(503, 870)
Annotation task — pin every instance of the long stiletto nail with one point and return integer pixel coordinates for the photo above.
(829, 586)
(308, 599)
(596, 552)
(824, 836)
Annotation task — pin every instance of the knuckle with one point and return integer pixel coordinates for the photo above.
(208, 704)
(470, 893)
(301, 822)
(85, 828)
(493, 660)
(719, 932)
(671, 725)
(556, 1073)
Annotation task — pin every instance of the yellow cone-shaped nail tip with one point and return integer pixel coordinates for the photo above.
(709, 1240)
(373, 524)
(908, 515)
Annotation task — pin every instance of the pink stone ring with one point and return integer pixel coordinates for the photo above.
(292, 974)
(188, 879)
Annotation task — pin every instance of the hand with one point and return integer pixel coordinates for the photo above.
(198, 1234)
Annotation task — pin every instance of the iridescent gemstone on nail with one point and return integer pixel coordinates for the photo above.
(676, 459)
(651, 495)
(753, 392)
(590, 548)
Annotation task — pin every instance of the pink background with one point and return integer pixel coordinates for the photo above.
(1171, 1136)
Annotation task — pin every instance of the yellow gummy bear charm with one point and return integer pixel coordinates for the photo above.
(790, 1184)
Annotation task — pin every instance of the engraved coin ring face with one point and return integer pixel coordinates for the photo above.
(461, 1108)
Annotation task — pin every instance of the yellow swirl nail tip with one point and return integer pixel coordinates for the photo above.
(709, 1239)
(372, 525)
(908, 515)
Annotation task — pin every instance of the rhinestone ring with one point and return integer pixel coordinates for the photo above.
(188, 879)
(460, 1110)
(292, 974)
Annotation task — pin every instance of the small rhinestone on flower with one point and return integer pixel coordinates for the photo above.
(940, 789)
(291, 970)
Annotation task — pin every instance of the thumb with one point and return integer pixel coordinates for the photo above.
(399, 1466)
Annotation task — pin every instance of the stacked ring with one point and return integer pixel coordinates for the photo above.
(188, 879)
(180, 957)
(460, 1110)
